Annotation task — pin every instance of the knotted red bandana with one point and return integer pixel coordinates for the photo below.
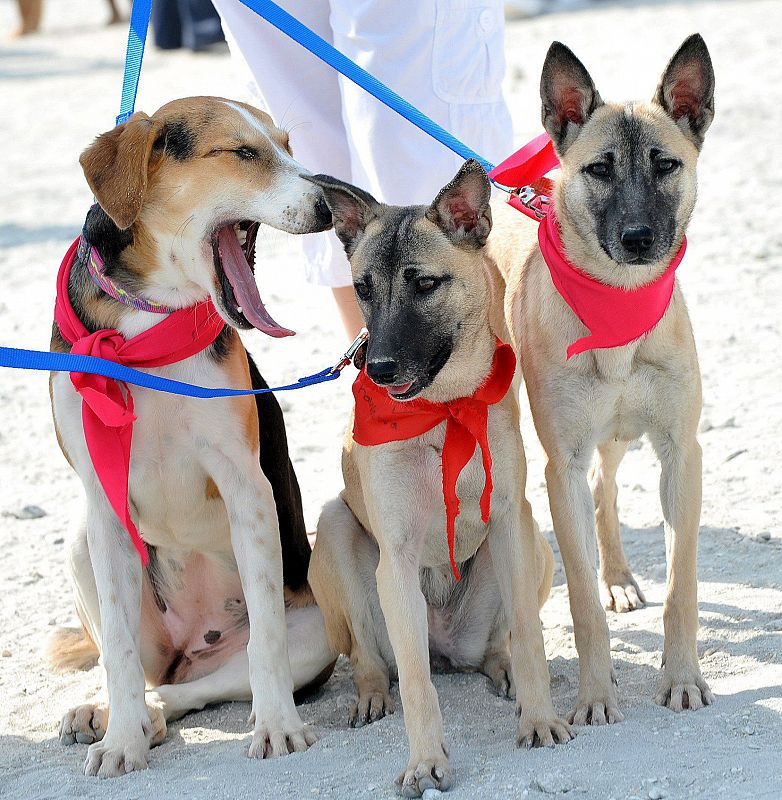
(107, 407)
(614, 316)
(380, 419)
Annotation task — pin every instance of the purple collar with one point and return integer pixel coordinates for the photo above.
(96, 270)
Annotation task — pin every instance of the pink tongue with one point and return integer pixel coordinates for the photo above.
(400, 389)
(242, 281)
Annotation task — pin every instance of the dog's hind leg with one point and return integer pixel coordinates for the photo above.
(619, 590)
(342, 576)
(682, 685)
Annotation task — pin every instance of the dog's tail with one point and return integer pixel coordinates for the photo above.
(72, 649)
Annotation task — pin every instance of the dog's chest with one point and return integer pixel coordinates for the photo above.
(470, 529)
(621, 396)
(170, 492)
(176, 499)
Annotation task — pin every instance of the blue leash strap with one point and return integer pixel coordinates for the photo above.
(68, 362)
(291, 27)
(137, 36)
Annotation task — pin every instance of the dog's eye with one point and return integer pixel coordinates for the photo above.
(665, 165)
(423, 285)
(246, 153)
(599, 169)
(362, 290)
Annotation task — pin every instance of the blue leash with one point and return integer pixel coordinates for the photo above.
(134, 55)
(137, 35)
(67, 362)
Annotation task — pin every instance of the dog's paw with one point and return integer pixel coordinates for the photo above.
(542, 730)
(157, 720)
(596, 708)
(430, 773)
(684, 689)
(370, 707)
(274, 739)
(84, 724)
(620, 592)
(111, 758)
(497, 669)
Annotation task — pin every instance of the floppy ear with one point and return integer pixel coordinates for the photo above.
(686, 89)
(568, 95)
(461, 209)
(116, 166)
(352, 209)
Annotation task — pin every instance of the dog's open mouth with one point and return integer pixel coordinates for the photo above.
(233, 248)
(408, 390)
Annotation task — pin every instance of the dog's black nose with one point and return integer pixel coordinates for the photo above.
(637, 239)
(383, 372)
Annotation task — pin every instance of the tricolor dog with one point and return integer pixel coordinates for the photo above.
(209, 485)
(435, 454)
(595, 378)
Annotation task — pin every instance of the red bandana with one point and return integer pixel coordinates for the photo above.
(380, 419)
(614, 316)
(107, 407)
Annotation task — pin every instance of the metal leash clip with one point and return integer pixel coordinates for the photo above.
(349, 354)
(535, 201)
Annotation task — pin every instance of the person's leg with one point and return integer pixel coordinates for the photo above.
(302, 95)
(443, 56)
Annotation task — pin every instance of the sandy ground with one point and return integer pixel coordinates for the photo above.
(59, 89)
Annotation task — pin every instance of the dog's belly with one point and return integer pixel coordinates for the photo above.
(194, 616)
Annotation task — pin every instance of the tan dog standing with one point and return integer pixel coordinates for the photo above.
(623, 201)
(211, 488)
(380, 568)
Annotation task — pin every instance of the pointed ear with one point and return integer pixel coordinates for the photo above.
(352, 209)
(461, 209)
(116, 166)
(568, 95)
(686, 89)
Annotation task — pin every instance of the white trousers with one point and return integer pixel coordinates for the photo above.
(443, 56)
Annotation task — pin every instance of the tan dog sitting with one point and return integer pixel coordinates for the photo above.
(380, 568)
(623, 201)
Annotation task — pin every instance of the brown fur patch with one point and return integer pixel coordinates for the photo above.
(71, 650)
(300, 598)
(211, 490)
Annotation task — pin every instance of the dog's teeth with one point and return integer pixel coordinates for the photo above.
(239, 309)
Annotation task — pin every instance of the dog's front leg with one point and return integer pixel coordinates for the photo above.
(572, 511)
(513, 552)
(404, 609)
(680, 495)
(398, 530)
(117, 570)
(255, 538)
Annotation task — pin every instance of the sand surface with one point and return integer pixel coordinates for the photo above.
(60, 89)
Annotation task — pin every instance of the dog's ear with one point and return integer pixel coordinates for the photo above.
(686, 89)
(352, 209)
(461, 209)
(116, 166)
(568, 95)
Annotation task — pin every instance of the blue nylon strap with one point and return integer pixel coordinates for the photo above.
(291, 27)
(137, 36)
(68, 362)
